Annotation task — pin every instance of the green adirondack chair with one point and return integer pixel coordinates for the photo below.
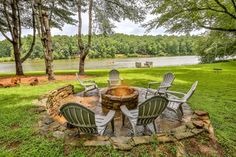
(175, 103)
(163, 87)
(86, 120)
(146, 113)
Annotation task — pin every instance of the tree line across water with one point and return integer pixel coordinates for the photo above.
(65, 47)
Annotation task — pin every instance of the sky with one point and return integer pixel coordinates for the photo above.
(124, 26)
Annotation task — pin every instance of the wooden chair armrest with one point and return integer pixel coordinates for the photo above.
(177, 100)
(167, 86)
(152, 83)
(174, 92)
(126, 112)
(107, 118)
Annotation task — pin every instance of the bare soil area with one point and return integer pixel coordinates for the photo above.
(41, 79)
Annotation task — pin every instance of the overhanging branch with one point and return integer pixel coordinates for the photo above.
(218, 28)
(6, 37)
(34, 38)
(234, 4)
(225, 9)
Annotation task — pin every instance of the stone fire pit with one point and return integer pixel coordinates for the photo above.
(114, 97)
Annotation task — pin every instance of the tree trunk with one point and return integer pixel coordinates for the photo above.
(47, 42)
(16, 37)
(18, 63)
(81, 64)
(84, 51)
(45, 35)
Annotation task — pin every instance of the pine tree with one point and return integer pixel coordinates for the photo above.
(53, 13)
(14, 16)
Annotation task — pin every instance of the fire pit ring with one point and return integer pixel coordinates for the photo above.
(114, 97)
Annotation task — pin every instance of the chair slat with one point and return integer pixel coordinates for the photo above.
(79, 116)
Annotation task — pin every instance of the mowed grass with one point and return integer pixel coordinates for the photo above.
(216, 93)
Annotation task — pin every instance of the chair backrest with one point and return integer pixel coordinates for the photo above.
(114, 74)
(150, 109)
(168, 79)
(191, 91)
(138, 64)
(79, 116)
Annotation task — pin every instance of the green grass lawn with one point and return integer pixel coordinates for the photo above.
(216, 93)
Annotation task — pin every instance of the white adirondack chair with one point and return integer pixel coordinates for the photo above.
(175, 103)
(163, 87)
(88, 85)
(114, 78)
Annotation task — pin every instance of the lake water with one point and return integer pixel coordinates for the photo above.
(73, 64)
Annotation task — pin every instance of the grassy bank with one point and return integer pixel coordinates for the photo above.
(216, 94)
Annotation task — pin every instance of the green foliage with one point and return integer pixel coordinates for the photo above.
(216, 46)
(108, 47)
(185, 16)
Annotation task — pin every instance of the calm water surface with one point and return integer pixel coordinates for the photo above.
(73, 64)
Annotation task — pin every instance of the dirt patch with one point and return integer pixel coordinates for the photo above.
(15, 126)
(67, 150)
(41, 78)
(202, 145)
(13, 145)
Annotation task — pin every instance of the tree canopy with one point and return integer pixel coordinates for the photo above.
(188, 15)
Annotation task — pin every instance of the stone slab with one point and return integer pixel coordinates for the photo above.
(94, 143)
(201, 113)
(197, 131)
(198, 123)
(164, 138)
(121, 143)
(183, 135)
(58, 134)
(141, 140)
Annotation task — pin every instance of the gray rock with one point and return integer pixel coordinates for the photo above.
(179, 129)
(164, 139)
(201, 113)
(58, 134)
(198, 123)
(40, 109)
(182, 135)
(71, 132)
(101, 138)
(190, 125)
(121, 143)
(43, 130)
(141, 140)
(48, 120)
(96, 143)
(197, 131)
(54, 126)
(62, 128)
